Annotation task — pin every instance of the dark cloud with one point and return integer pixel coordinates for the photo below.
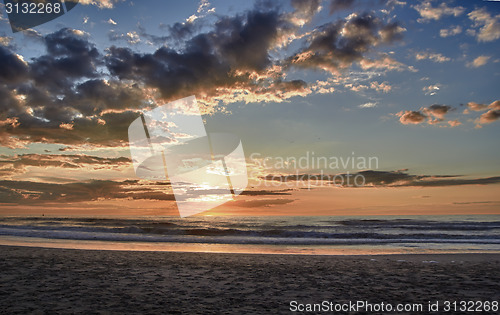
(92, 97)
(74, 94)
(27, 192)
(266, 192)
(57, 97)
(402, 178)
(13, 69)
(212, 64)
(336, 46)
(177, 32)
(456, 182)
(174, 74)
(69, 56)
(109, 129)
(209, 61)
(474, 202)
(259, 203)
(18, 162)
(247, 45)
(385, 179)
(34, 192)
(59, 90)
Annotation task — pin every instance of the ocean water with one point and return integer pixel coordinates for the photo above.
(271, 234)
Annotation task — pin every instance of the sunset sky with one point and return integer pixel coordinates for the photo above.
(414, 84)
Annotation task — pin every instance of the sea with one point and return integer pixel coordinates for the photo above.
(309, 235)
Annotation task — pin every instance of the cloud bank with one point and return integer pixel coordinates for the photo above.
(75, 94)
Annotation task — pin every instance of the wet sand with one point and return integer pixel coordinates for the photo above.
(51, 281)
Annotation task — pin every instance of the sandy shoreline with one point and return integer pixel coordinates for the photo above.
(43, 280)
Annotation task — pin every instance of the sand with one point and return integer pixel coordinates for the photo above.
(51, 281)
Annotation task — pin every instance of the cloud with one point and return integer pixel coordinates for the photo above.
(13, 68)
(266, 192)
(437, 181)
(177, 32)
(391, 32)
(436, 114)
(27, 192)
(368, 105)
(19, 163)
(431, 89)
(476, 107)
(411, 117)
(305, 10)
(454, 123)
(70, 56)
(63, 89)
(428, 12)
(479, 61)
(131, 38)
(110, 21)
(492, 114)
(474, 202)
(437, 110)
(336, 46)
(451, 31)
(433, 114)
(374, 85)
(384, 63)
(259, 203)
(489, 26)
(201, 12)
(356, 81)
(5, 40)
(436, 57)
(93, 95)
(400, 178)
(102, 4)
(381, 87)
(231, 60)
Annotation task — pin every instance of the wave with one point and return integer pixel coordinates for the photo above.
(260, 230)
(256, 222)
(422, 224)
(236, 236)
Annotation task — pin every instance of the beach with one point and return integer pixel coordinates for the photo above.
(46, 280)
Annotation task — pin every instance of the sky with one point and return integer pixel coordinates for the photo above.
(411, 86)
